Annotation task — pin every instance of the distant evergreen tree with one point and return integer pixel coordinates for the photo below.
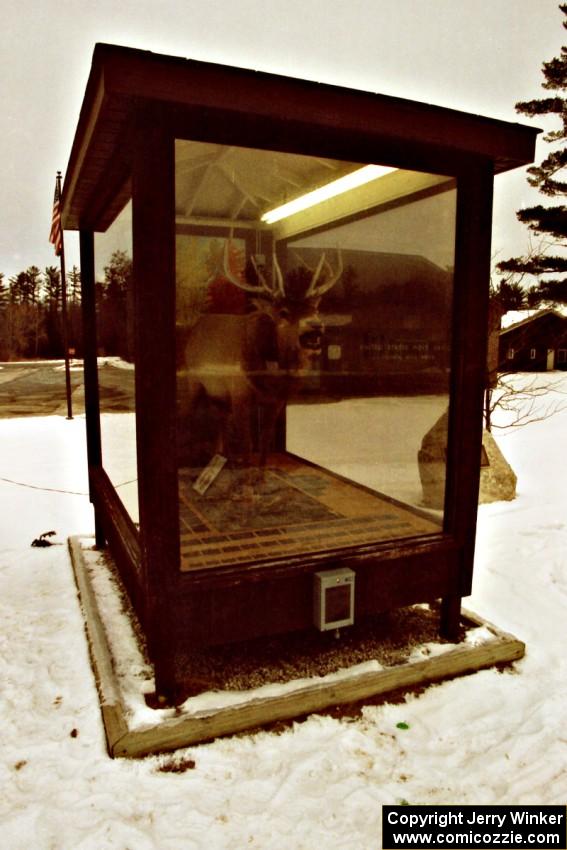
(17, 288)
(25, 286)
(52, 299)
(4, 320)
(33, 284)
(52, 287)
(25, 328)
(74, 318)
(549, 222)
(74, 285)
(114, 295)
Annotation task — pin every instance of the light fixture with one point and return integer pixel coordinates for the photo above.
(337, 187)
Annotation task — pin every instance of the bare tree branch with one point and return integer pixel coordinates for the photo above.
(524, 399)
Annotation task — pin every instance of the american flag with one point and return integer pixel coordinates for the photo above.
(56, 233)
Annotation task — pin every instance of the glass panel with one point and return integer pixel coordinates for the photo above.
(313, 352)
(115, 339)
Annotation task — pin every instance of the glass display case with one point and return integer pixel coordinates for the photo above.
(313, 314)
(116, 358)
(301, 335)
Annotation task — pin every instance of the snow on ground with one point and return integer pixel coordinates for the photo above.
(488, 738)
(383, 437)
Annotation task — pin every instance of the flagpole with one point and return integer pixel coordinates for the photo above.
(64, 316)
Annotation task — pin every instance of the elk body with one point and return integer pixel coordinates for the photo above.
(242, 363)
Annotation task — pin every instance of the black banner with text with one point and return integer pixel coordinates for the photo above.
(479, 827)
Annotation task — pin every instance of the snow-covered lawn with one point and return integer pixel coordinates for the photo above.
(488, 738)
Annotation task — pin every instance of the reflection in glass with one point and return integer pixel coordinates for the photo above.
(115, 339)
(313, 353)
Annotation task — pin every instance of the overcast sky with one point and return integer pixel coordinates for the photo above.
(479, 56)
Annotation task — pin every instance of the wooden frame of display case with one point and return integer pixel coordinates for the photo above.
(136, 105)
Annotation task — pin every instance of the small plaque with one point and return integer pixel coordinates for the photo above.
(209, 474)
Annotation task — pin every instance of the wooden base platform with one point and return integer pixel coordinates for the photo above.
(171, 731)
(292, 507)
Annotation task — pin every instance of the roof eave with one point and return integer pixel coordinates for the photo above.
(121, 77)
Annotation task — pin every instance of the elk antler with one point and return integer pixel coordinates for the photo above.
(315, 290)
(277, 289)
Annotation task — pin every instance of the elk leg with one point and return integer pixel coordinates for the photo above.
(189, 411)
(207, 424)
(268, 427)
(241, 410)
(222, 441)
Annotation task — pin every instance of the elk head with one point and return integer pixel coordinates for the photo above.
(292, 305)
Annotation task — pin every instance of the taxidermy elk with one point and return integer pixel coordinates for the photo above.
(255, 360)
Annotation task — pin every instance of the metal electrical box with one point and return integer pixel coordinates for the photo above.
(333, 598)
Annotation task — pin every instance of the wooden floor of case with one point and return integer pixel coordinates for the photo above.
(297, 508)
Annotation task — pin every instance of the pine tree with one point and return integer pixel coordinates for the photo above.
(547, 262)
(74, 285)
(3, 294)
(52, 288)
(52, 300)
(33, 283)
(115, 326)
(4, 320)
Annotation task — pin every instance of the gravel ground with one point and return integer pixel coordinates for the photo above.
(389, 639)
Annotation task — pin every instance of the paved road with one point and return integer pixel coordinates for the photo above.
(37, 388)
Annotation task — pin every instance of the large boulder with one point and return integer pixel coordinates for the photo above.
(497, 478)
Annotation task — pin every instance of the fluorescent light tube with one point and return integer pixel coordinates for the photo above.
(330, 190)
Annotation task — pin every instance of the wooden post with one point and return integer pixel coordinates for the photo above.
(450, 625)
(154, 296)
(470, 334)
(92, 405)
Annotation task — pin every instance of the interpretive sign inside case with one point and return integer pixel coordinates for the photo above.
(209, 474)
